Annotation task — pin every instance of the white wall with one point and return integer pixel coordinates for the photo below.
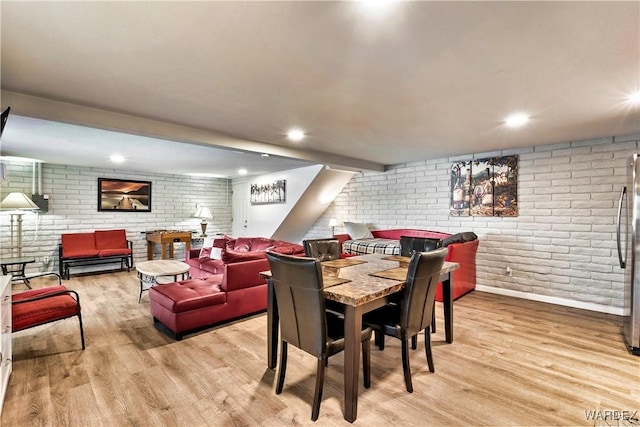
(264, 220)
(562, 245)
(73, 207)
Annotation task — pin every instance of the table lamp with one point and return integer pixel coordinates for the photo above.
(333, 223)
(19, 204)
(204, 213)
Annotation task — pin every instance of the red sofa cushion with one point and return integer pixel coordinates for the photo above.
(231, 256)
(188, 295)
(114, 252)
(289, 249)
(215, 266)
(258, 243)
(76, 245)
(110, 239)
(42, 311)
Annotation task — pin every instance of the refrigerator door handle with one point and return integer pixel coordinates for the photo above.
(623, 262)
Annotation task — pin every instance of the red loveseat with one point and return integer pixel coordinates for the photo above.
(460, 251)
(98, 247)
(219, 290)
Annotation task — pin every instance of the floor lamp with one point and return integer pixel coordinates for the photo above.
(18, 204)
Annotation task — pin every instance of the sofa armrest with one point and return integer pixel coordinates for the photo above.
(464, 254)
(341, 239)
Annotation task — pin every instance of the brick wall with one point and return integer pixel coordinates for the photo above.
(73, 208)
(561, 247)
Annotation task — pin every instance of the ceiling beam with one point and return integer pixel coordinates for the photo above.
(48, 109)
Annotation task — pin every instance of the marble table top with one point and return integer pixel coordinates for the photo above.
(363, 287)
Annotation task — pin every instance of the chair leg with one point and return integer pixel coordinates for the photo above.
(427, 349)
(283, 367)
(405, 365)
(433, 318)
(81, 329)
(366, 363)
(414, 342)
(378, 338)
(315, 410)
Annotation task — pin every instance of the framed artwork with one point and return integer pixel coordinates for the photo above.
(124, 195)
(485, 187)
(274, 192)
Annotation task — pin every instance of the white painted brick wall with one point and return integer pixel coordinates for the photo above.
(73, 207)
(562, 244)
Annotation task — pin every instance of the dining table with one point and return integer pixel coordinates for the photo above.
(361, 284)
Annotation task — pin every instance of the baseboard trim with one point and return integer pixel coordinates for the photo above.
(552, 300)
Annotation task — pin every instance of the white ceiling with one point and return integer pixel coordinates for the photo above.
(418, 80)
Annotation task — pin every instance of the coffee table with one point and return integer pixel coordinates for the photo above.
(149, 271)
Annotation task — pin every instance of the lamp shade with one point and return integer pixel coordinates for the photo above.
(203, 212)
(15, 201)
(333, 222)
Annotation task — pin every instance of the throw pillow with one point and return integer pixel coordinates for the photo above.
(210, 249)
(205, 253)
(216, 253)
(358, 230)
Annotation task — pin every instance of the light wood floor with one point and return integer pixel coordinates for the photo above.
(513, 362)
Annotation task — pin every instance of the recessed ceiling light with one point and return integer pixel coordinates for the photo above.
(117, 158)
(634, 98)
(265, 155)
(295, 135)
(516, 120)
(242, 172)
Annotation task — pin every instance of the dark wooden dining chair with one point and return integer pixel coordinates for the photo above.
(415, 311)
(37, 307)
(304, 321)
(409, 244)
(322, 249)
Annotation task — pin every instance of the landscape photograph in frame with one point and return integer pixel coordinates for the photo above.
(124, 195)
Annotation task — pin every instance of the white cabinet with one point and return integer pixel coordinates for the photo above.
(5, 335)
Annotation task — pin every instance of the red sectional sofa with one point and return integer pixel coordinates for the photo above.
(460, 251)
(98, 247)
(220, 289)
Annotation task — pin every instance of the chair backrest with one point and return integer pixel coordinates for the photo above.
(297, 282)
(111, 239)
(322, 249)
(423, 276)
(409, 244)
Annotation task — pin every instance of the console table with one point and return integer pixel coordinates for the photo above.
(166, 238)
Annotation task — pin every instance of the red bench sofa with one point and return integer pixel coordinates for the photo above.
(461, 250)
(220, 289)
(98, 247)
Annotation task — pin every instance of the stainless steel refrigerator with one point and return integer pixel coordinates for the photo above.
(628, 239)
